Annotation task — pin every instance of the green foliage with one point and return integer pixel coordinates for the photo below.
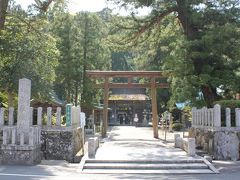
(202, 54)
(228, 103)
(27, 50)
(81, 41)
(177, 126)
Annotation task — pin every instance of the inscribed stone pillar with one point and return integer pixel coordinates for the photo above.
(68, 115)
(24, 94)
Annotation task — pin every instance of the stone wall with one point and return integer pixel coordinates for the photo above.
(221, 144)
(25, 155)
(60, 144)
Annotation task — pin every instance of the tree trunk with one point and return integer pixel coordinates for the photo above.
(76, 94)
(68, 94)
(191, 32)
(183, 16)
(3, 12)
(208, 95)
(85, 54)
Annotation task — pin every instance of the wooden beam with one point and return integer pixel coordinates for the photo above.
(99, 74)
(105, 108)
(154, 108)
(132, 85)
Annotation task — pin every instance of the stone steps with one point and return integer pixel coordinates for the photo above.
(146, 167)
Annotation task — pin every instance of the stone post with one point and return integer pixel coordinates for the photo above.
(228, 117)
(209, 117)
(191, 146)
(217, 115)
(205, 116)
(39, 116)
(5, 138)
(176, 140)
(237, 113)
(170, 122)
(49, 116)
(10, 116)
(2, 116)
(22, 138)
(31, 116)
(201, 117)
(58, 121)
(14, 135)
(194, 118)
(31, 137)
(24, 94)
(198, 117)
(212, 117)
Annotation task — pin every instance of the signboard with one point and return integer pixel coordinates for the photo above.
(68, 114)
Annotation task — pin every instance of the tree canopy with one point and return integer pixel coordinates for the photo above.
(203, 55)
(195, 42)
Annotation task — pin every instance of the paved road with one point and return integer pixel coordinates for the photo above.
(57, 170)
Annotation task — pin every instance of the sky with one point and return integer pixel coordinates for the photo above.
(87, 5)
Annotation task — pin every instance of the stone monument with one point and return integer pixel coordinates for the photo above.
(21, 143)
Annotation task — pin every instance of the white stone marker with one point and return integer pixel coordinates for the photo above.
(24, 94)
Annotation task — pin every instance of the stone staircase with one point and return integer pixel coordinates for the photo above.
(198, 166)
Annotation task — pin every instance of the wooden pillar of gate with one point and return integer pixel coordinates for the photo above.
(154, 108)
(105, 109)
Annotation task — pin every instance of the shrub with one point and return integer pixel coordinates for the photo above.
(228, 103)
(177, 126)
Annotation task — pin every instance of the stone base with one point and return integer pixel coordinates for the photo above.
(60, 144)
(222, 145)
(21, 155)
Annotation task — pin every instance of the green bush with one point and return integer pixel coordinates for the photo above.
(228, 103)
(177, 126)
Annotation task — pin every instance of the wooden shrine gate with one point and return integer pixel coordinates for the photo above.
(153, 85)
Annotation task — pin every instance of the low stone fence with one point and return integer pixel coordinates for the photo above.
(21, 147)
(54, 140)
(218, 136)
(186, 144)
